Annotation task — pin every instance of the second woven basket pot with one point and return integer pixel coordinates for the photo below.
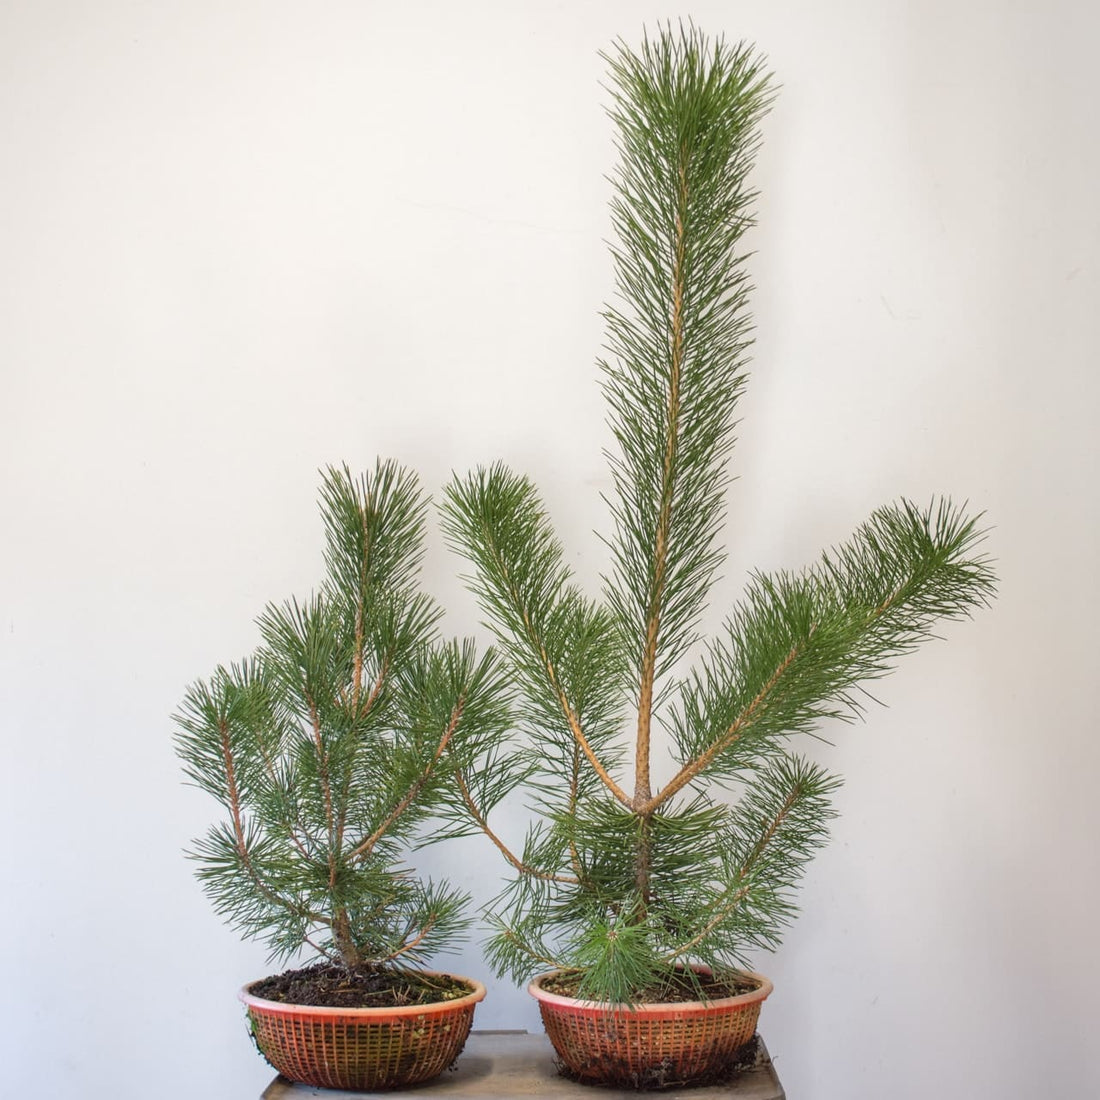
(650, 1045)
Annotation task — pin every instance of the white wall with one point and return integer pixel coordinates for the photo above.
(240, 240)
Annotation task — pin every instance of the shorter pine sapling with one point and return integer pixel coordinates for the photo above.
(625, 885)
(331, 745)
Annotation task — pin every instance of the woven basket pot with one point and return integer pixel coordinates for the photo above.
(649, 1045)
(362, 1048)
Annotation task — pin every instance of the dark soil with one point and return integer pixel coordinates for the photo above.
(659, 1077)
(677, 989)
(332, 986)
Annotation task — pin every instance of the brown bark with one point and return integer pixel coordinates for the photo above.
(643, 791)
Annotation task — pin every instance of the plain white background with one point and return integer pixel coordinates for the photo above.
(241, 240)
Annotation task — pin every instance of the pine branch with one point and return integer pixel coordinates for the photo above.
(686, 116)
(744, 721)
(799, 646)
(483, 824)
(412, 945)
(512, 952)
(374, 533)
(496, 520)
(239, 875)
(364, 849)
(224, 725)
(779, 824)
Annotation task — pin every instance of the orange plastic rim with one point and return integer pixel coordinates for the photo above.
(649, 1044)
(362, 1048)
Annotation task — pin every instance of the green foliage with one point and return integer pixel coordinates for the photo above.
(686, 113)
(328, 747)
(562, 648)
(626, 885)
(799, 646)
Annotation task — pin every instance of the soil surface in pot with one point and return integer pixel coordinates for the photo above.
(331, 986)
(677, 989)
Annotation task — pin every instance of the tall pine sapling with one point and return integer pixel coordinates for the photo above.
(620, 881)
(332, 743)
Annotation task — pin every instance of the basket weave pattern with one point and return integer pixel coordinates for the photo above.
(360, 1049)
(649, 1045)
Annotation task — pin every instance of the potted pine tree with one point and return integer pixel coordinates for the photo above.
(640, 903)
(326, 749)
